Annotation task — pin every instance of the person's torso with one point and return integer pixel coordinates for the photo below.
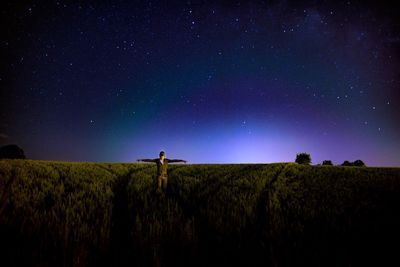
(162, 167)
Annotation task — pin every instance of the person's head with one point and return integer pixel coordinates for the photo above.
(162, 155)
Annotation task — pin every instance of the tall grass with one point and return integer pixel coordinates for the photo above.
(109, 214)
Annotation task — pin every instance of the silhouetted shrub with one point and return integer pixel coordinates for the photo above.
(303, 158)
(12, 152)
(327, 162)
(359, 163)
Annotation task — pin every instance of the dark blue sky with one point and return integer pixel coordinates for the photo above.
(226, 82)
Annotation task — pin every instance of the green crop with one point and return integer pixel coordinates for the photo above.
(108, 214)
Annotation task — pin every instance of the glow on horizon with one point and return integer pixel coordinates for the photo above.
(224, 148)
(276, 144)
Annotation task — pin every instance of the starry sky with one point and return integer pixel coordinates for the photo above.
(206, 81)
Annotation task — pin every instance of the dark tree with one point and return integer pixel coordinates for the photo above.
(347, 163)
(303, 158)
(359, 163)
(327, 162)
(11, 152)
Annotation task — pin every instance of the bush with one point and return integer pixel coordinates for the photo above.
(11, 152)
(303, 158)
(359, 163)
(327, 162)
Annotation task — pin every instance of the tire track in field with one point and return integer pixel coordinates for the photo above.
(120, 232)
(265, 217)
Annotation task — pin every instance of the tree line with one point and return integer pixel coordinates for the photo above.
(305, 159)
(15, 152)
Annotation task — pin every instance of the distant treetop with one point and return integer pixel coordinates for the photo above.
(327, 162)
(12, 152)
(303, 158)
(346, 163)
(357, 163)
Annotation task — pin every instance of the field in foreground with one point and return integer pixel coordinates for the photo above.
(100, 214)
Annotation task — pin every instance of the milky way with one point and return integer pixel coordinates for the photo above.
(229, 82)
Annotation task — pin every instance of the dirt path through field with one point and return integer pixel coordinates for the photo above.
(120, 235)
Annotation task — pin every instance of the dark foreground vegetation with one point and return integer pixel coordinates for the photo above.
(88, 214)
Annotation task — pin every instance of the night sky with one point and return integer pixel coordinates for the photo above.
(226, 82)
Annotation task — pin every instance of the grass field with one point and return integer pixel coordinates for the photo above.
(283, 214)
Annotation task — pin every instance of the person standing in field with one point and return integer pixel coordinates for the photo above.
(162, 166)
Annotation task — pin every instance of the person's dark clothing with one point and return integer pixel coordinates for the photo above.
(162, 167)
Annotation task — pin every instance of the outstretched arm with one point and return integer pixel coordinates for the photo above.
(176, 160)
(147, 160)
